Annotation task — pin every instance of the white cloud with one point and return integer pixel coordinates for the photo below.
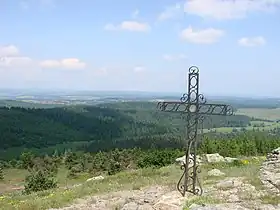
(228, 9)
(50, 64)
(129, 26)
(8, 50)
(203, 36)
(16, 61)
(138, 69)
(169, 57)
(10, 57)
(67, 63)
(171, 12)
(252, 41)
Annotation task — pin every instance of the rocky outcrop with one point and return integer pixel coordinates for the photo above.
(270, 172)
(220, 192)
(208, 158)
(217, 158)
(149, 198)
(233, 206)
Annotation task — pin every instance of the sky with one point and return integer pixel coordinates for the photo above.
(141, 45)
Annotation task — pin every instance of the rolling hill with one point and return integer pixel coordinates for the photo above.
(94, 128)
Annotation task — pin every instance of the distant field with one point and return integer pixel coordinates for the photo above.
(262, 113)
(254, 125)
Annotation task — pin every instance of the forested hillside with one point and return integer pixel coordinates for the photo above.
(94, 128)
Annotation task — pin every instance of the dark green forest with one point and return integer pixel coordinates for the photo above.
(95, 128)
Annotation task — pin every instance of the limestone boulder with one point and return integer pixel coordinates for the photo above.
(215, 172)
(214, 158)
(182, 160)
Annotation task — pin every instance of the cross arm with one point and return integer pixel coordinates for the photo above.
(216, 109)
(204, 109)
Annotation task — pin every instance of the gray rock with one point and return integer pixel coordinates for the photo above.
(166, 206)
(229, 159)
(145, 207)
(130, 206)
(194, 205)
(226, 206)
(95, 178)
(214, 158)
(233, 198)
(270, 173)
(182, 160)
(266, 207)
(229, 183)
(276, 151)
(215, 172)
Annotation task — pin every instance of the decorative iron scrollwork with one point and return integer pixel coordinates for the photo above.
(184, 98)
(204, 108)
(193, 70)
(195, 106)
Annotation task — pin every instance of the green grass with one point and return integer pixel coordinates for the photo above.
(272, 199)
(127, 180)
(201, 200)
(131, 180)
(14, 179)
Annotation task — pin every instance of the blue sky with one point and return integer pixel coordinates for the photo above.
(141, 45)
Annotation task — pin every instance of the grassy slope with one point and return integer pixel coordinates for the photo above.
(130, 180)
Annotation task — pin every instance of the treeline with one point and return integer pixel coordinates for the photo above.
(43, 169)
(242, 144)
(93, 128)
(249, 143)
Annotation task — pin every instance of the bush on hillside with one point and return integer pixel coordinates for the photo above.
(39, 181)
(41, 175)
(74, 171)
(113, 167)
(158, 158)
(27, 159)
(70, 159)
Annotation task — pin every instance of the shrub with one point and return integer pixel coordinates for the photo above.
(74, 170)
(27, 160)
(38, 181)
(113, 167)
(158, 158)
(237, 163)
(46, 164)
(70, 159)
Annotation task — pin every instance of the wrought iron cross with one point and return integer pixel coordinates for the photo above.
(195, 106)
